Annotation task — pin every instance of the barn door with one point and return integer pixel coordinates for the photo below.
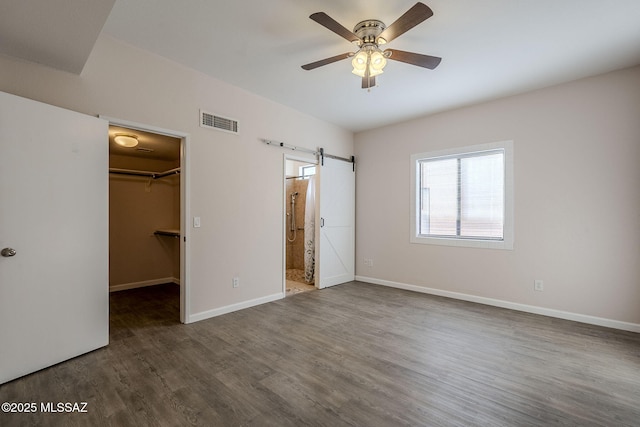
(337, 222)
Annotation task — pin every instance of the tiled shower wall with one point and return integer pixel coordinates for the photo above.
(295, 249)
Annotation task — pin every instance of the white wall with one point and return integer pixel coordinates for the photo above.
(590, 128)
(236, 182)
(577, 203)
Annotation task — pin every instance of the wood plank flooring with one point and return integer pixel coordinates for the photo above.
(351, 355)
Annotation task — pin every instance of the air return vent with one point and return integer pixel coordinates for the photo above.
(213, 121)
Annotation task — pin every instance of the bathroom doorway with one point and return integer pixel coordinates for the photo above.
(299, 230)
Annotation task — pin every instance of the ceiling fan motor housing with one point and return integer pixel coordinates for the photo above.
(369, 30)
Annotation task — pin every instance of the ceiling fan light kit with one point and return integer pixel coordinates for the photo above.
(369, 61)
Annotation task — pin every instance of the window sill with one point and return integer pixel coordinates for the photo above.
(506, 244)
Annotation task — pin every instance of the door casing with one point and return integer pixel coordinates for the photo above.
(185, 211)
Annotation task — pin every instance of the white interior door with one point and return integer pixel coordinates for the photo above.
(337, 222)
(54, 301)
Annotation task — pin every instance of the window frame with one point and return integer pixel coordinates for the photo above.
(475, 242)
(303, 170)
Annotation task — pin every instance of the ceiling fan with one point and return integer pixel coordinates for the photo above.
(369, 61)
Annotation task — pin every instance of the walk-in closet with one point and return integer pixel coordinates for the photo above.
(144, 210)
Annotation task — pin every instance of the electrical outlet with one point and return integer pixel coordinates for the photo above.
(236, 282)
(538, 285)
(368, 262)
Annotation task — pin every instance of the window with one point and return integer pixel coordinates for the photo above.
(307, 171)
(464, 197)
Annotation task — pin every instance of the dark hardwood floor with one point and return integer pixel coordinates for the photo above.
(351, 355)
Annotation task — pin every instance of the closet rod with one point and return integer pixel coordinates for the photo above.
(154, 175)
(167, 173)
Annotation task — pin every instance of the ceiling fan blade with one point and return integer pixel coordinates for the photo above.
(325, 61)
(418, 59)
(368, 83)
(330, 23)
(418, 13)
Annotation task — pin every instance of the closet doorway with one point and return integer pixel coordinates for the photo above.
(146, 215)
(299, 229)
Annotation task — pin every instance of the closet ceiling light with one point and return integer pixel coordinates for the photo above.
(125, 140)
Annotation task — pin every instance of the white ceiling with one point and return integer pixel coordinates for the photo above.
(490, 49)
(59, 33)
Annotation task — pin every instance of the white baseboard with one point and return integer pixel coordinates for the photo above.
(133, 285)
(583, 318)
(234, 307)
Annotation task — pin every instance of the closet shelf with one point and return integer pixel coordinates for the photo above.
(167, 232)
(153, 175)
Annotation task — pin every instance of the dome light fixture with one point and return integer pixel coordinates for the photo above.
(126, 140)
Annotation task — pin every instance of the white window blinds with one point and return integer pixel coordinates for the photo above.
(463, 196)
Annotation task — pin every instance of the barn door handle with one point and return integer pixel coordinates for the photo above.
(321, 222)
(8, 252)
